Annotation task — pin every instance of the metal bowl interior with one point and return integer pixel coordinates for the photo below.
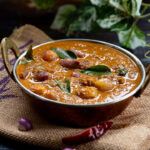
(129, 54)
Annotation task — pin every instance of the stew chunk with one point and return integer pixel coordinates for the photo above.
(69, 63)
(87, 92)
(41, 76)
(104, 84)
(49, 55)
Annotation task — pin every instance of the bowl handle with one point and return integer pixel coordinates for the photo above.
(7, 44)
(147, 80)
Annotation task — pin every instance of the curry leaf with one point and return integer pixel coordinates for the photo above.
(109, 21)
(122, 71)
(97, 70)
(65, 87)
(132, 37)
(68, 89)
(131, 7)
(71, 54)
(85, 22)
(120, 26)
(92, 15)
(62, 16)
(44, 4)
(29, 54)
(64, 54)
(117, 4)
(99, 3)
(60, 85)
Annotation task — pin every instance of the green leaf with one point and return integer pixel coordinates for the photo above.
(130, 7)
(99, 3)
(62, 16)
(68, 89)
(122, 71)
(132, 37)
(85, 22)
(60, 85)
(97, 70)
(109, 21)
(91, 15)
(44, 4)
(29, 54)
(64, 54)
(117, 4)
(64, 86)
(120, 26)
(133, 7)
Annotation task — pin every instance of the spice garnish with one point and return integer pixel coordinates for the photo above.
(89, 134)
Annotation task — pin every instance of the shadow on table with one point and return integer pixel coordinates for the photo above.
(13, 145)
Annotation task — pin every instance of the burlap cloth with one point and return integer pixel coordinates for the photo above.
(130, 131)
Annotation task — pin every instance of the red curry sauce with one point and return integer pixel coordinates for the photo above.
(62, 80)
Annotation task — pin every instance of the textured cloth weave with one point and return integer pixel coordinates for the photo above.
(130, 131)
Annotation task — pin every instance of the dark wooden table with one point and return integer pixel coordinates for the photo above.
(11, 20)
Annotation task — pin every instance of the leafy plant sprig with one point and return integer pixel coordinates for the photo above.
(97, 70)
(44, 4)
(120, 16)
(64, 86)
(28, 56)
(63, 54)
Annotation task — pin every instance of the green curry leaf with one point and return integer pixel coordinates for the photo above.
(60, 85)
(29, 54)
(68, 89)
(62, 16)
(65, 87)
(85, 22)
(99, 3)
(44, 4)
(97, 70)
(130, 7)
(109, 21)
(122, 25)
(132, 37)
(122, 71)
(117, 4)
(94, 15)
(64, 54)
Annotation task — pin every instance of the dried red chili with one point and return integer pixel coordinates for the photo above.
(89, 134)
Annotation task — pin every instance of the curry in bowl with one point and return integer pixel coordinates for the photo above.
(78, 72)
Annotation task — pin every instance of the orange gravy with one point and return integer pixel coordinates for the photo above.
(48, 74)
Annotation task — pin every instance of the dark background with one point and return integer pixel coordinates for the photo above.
(13, 18)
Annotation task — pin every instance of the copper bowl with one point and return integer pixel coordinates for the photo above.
(74, 114)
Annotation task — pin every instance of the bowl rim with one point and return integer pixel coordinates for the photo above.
(105, 103)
